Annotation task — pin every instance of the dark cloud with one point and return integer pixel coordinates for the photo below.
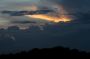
(84, 18)
(75, 34)
(22, 13)
(80, 5)
(23, 22)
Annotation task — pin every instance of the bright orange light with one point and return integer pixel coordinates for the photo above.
(50, 18)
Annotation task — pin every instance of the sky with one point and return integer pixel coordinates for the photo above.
(18, 5)
(19, 33)
(6, 20)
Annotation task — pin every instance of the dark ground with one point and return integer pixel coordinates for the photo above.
(60, 52)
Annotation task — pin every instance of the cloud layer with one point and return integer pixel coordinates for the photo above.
(69, 6)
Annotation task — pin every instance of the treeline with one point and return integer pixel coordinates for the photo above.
(51, 52)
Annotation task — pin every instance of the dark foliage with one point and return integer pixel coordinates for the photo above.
(60, 52)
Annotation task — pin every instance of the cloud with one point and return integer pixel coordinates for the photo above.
(23, 22)
(75, 34)
(81, 5)
(56, 5)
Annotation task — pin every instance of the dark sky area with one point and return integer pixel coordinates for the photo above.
(74, 34)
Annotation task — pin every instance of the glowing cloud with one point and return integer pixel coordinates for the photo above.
(58, 16)
(32, 5)
(50, 18)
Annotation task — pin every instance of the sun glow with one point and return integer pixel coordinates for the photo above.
(50, 18)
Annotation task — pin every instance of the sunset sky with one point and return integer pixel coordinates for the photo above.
(68, 25)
